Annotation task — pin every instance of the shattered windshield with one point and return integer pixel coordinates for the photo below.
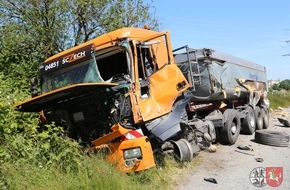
(103, 67)
(83, 73)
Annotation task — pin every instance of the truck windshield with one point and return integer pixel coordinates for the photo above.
(81, 73)
(102, 67)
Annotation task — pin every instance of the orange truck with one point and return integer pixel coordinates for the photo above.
(127, 93)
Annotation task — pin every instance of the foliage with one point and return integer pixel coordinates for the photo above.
(31, 31)
(285, 84)
(89, 22)
(18, 59)
(94, 173)
(50, 26)
(275, 87)
(279, 99)
(22, 144)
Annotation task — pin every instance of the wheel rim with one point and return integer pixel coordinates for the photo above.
(259, 118)
(252, 122)
(234, 129)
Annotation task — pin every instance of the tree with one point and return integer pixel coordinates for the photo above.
(285, 84)
(94, 17)
(54, 25)
(275, 87)
(33, 30)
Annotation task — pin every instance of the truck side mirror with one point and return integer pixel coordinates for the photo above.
(34, 86)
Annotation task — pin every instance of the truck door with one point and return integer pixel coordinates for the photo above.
(160, 81)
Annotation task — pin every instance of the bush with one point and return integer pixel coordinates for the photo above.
(279, 99)
(21, 144)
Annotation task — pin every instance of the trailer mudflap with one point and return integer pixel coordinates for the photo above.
(128, 155)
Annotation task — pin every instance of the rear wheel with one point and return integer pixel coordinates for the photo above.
(232, 127)
(259, 118)
(249, 122)
(265, 114)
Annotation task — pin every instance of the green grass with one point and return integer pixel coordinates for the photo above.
(95, 173)
(279, 99)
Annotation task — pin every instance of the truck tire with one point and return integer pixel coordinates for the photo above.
(249, 122)
(265, 114)
(259, 118)
(272, 138)
(232, 127)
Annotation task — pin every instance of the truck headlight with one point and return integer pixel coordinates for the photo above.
(131, 155)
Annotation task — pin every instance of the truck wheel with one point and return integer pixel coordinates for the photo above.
(272, 138)
(232, 127)
(182, 150)
(265, 114)
(249, 122)
(259, 118)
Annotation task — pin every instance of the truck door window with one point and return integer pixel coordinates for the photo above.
(145, 68)
(144, 63)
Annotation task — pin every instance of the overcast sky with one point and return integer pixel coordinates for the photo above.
(254, 30)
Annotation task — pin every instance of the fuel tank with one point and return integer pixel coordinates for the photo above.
(215, 75)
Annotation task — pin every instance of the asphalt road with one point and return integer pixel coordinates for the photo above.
(231, 167)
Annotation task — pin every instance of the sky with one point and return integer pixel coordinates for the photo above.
(254, 30)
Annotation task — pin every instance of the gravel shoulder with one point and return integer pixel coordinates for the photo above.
(231, 167)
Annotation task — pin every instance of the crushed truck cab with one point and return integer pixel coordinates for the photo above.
(124, 78)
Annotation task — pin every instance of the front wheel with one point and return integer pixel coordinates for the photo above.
(232, 127)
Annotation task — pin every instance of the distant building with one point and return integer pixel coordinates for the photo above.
(272, 82)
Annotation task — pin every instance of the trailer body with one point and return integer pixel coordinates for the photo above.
(215, 75)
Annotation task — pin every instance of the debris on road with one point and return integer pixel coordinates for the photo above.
(259, 159)
(285, 122)
(241, 147)
(244, 153)
(212, 180)
(212, 148)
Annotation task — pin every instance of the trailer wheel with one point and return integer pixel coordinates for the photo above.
(232, 127)
(272, 138)
(259, 118)
(265, 114)
(249, 122)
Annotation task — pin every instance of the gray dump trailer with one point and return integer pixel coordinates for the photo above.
(229, 92)
(214, 75)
